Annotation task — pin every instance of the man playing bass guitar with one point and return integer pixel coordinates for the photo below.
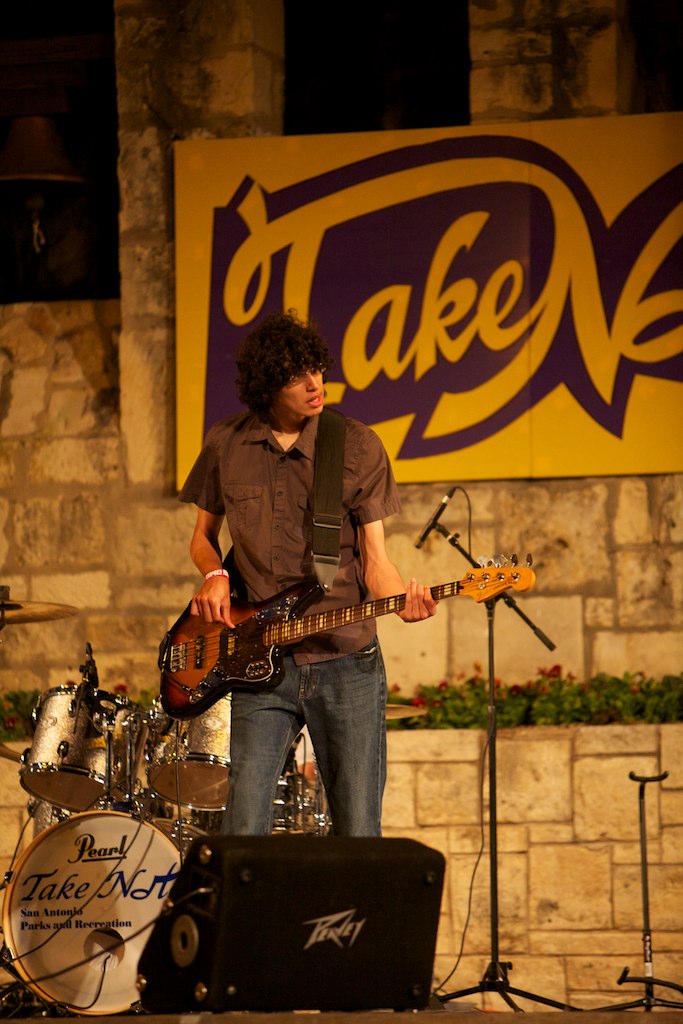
(256, 471)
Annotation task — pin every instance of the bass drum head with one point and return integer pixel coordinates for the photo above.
(80, 906)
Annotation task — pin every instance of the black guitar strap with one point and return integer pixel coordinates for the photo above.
(327, 496)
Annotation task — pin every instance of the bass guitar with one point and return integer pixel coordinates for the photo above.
(201, 662)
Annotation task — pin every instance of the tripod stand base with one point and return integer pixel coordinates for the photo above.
(647, 1001)
(496, 980)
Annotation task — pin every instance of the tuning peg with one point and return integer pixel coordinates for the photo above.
(514, 561)
(529, 560)
(499, 560)
(483, 561)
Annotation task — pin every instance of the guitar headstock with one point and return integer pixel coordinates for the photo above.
(496, 575)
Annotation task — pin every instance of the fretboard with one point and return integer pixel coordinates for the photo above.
(290, 632)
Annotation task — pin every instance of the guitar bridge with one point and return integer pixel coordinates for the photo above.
(177, 657)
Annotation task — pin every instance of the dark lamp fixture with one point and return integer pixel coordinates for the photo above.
(34, 151)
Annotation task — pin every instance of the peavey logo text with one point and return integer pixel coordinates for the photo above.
(338, 928)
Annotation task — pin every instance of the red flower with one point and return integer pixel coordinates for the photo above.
(10, 723)
(120, 688)
(443, 685)
(418, 702)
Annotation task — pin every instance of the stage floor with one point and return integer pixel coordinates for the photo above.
(664, 1016)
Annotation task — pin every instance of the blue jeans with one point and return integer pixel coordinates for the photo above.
(342, 702)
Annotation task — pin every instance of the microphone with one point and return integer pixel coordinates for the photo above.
(434, 518)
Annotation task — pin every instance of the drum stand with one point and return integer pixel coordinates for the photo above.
(17, 998)
(649, 999)
(495, 978)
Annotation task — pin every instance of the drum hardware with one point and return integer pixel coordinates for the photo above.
(303, 806)
(281, 802)
(16, 998)
(181, 833)
(11, 755)
(44, 815)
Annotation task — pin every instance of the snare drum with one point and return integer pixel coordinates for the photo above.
(67, 761)
(80, 906)
(188, 761)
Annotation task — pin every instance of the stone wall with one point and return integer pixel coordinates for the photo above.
(569, 868)
(533, 60)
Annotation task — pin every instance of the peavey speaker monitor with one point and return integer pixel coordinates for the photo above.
(296, 922)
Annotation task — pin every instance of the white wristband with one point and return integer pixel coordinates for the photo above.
(216, 572)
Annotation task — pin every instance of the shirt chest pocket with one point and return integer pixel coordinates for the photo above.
(243, 503)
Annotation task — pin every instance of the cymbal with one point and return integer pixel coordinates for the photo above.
(11, 755)
(12, 612)
(405, 710)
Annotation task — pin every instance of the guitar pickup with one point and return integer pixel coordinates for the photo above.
(199, 646)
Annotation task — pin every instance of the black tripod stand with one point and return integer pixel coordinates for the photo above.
(495, 978)
(649, 981)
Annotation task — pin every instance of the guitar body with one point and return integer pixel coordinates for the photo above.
(201, 662)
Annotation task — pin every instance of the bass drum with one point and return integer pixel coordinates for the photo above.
(80, 906)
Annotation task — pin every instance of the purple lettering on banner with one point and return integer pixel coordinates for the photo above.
(500, 271)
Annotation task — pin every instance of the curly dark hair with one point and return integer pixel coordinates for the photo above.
(281, 347)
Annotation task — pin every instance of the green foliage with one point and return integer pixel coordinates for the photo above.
(550, 699)
(16, 708)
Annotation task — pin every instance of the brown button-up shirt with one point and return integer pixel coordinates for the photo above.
(266, 495)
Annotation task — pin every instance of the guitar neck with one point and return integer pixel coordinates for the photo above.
(293, 630)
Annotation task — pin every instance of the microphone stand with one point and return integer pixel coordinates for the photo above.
(648, 999)
(495, 978)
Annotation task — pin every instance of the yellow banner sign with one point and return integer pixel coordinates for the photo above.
(500, 302)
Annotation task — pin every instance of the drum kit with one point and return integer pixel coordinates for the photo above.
(117, 792)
